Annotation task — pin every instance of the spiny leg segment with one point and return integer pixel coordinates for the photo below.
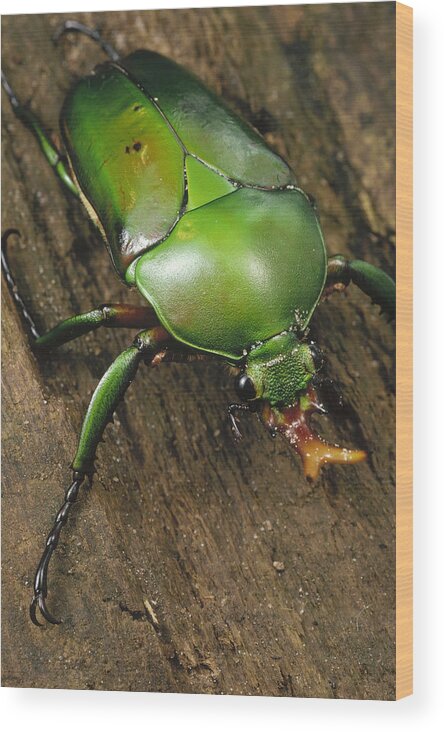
(24, 312)
(41, 575)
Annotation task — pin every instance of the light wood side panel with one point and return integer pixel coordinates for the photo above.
(404, 360)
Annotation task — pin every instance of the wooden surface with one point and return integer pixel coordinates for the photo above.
(165, 577)
(404, 351)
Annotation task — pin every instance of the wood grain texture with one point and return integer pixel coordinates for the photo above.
(404, 351)
(165, 576)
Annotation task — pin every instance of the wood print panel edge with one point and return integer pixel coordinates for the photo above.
(404, 360)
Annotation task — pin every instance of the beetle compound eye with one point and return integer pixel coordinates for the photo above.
(245, 388)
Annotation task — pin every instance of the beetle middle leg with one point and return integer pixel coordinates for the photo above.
(104, 401)
(111, 315)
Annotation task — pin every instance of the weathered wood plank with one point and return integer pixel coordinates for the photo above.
(180, 517)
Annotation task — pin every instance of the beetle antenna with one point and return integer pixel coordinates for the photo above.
(27, 317)
(41, 575)
(74, 25)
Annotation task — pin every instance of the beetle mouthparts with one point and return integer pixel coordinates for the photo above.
(293, 423)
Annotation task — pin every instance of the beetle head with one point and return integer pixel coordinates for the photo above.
(277, 379)
(278, 370)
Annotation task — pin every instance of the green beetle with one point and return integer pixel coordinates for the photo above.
(209, 224)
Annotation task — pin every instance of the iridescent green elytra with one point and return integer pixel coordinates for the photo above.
(209, 224)
(196, 211)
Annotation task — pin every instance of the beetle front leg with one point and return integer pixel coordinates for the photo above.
(232, 409)
(370, 279)
(50, 152)
(105, 399)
